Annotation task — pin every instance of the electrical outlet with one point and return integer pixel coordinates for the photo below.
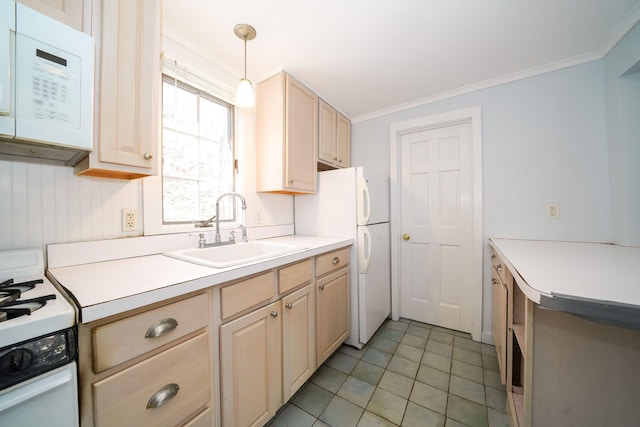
(129, 220)
(553, 211)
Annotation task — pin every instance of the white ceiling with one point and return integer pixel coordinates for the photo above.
(367, 57)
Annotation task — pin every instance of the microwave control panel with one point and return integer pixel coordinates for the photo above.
(50, 85)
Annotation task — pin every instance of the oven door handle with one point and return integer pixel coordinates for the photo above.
(22, 394)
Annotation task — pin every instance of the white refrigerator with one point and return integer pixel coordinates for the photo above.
(354, 203)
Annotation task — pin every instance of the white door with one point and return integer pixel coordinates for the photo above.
(436, 223)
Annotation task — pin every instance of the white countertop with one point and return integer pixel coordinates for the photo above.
(594, 271)
(102, 289)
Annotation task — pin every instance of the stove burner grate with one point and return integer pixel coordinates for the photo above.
(11, 306)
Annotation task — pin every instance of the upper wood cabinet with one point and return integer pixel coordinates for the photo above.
(127, 89)
(286, 136)
(334, 138)
(70, 12)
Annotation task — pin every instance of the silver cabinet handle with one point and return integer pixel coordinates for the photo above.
(161, 327)
(288, 305)
(499, 268)
(335, 261)
(148, 156)
(163, 395)
(274, 314)
(494, 281)
(290, 181)
(493, 257)
(321, 287)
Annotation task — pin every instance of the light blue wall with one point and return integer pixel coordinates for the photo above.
(544, 140)
(622, 88)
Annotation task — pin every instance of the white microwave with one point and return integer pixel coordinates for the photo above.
(46, 88)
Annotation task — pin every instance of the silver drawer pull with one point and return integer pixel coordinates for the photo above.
(148, 156)
(493, 257)
(161, 327)
(335, 260)
(274, 314)
(499, 268)
(494, 281)
(288, 305)
(163, 395)
(321, 287)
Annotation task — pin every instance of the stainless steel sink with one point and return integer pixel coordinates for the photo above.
(236, 254)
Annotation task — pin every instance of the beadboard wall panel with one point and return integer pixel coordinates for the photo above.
(42, 204)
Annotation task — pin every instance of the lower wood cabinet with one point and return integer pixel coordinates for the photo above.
(298, 340)
(160, 391)
(332, 303)
(251, 367)
(230, 355)
(501, 320)
(269, 352)
(152, 366)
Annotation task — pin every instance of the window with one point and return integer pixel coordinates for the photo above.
(197, 154)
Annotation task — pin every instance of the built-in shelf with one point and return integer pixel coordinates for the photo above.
(518, 330)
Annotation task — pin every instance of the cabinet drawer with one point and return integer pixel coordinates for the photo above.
(295, 275)
(499, 266)
(332, 261)
(203, 419)
(123, 399)
(125, 339)
(245, 294)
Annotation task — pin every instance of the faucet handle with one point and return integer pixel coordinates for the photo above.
(244, 233)
(232, 236)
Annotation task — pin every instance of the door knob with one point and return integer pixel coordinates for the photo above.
(406, 236)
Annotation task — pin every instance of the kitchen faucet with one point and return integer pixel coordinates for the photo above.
(217, 217)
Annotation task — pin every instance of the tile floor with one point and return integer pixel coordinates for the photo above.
(408, 374)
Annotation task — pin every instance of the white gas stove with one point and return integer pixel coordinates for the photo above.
(45, 309)
(38, 345)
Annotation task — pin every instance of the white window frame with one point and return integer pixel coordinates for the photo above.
(152, 186)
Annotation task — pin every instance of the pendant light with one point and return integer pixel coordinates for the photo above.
(244, 93)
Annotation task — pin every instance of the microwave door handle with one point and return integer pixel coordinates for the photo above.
(5, 71)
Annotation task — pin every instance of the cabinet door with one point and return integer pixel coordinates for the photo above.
(332, 313)
(70, 12)
(302, 137)
(343, 141)
(327, 133)
(250, 366)
(127, 94)
(499, 323)
(129, 84)
(298, 340)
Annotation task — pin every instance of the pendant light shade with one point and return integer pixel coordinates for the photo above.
(244, 93)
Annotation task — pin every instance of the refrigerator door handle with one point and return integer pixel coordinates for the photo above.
(364, 200)
(364, 249)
